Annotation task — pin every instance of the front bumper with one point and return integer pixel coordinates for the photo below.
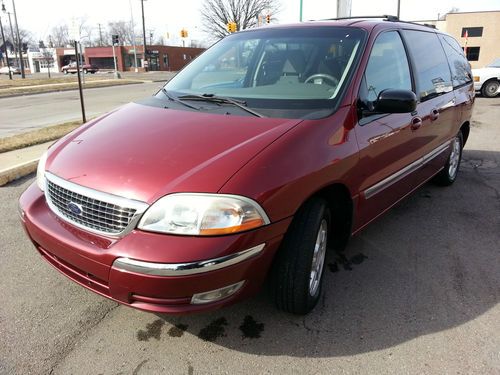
(149, 271)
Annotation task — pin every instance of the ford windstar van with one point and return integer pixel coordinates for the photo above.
(268, 150)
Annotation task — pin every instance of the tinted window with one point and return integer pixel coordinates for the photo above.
(387, 67)
(460, 67)
(472, 31)
(432, 70)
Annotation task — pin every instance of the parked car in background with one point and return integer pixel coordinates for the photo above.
(487, 79)
(13, 70)
(85, 68)
(271, 148)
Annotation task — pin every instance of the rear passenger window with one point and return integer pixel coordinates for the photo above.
(387, 67)
(432, 71)
(459, 66)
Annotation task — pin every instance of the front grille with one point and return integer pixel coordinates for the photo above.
(84, 210)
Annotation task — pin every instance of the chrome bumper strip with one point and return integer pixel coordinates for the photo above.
(182, 269)
(402, 173)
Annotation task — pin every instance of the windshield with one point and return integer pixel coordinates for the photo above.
(289, 72)
(494, 64)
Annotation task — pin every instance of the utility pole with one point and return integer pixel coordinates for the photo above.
(133, 35)
(399, 8)
(300, 13)
(18, 40)
(145, 63)
(5, 50)
(100, 35)
(14, 42)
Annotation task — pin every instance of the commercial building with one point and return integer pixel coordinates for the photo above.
(478, 31)
(161, 57)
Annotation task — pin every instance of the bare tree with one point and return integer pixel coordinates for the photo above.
(25, 35)
(452, 10)
(216, 14)
(124, 29)
(60, 35)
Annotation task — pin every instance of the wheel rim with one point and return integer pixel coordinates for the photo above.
(318, 260)
(492, 88)
(454, 158)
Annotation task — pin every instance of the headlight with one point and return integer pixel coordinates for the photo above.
(40, 172)
(203, 214)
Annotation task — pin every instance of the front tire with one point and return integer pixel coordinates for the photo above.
(65, 71)
(490, 89)
(448, 174)
(298, 269)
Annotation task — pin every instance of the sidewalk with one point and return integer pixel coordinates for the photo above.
(19, 163)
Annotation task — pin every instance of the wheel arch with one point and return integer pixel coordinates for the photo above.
(465, 129)
(341, 206)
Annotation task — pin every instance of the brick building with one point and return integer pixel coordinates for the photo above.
(167, 58)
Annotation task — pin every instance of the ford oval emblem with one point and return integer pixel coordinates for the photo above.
(75, 208)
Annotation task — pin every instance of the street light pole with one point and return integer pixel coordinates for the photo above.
(300, 14)
(144, 37)
(5, 50)
(18, 40)
(399, 8)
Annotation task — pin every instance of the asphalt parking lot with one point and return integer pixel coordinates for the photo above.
(417, 292)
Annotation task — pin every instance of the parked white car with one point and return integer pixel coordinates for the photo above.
(13, 70)
(487, 79)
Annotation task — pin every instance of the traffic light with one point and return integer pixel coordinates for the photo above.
(268, 18)
(114, 39)
(41, 44)
(231, 27)
(25, 47)
(184, 33)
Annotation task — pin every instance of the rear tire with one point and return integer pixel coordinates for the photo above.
(297, 273)
(490, 89)
(448, 174)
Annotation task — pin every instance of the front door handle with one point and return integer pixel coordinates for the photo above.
(434, 114)
(416, 122)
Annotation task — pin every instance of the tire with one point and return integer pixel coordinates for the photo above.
(448, 174)
(490, 88)
(85, 71)
(297, 273)
(65, 71)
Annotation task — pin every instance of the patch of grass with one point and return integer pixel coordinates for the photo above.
(21, 90)
(35, 137)
(19, 82)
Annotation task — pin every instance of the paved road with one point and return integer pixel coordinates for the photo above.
(23, 113)
(417, 293)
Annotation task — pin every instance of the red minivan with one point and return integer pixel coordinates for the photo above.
(272, 147)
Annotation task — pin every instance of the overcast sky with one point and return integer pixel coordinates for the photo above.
(171, 16)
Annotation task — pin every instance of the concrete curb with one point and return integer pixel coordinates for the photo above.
(17, 171)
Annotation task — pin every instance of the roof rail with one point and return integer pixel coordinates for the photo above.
(385, 17)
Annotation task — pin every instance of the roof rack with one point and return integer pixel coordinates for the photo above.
(385, 17)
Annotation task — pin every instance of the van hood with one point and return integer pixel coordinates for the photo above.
(143, 152)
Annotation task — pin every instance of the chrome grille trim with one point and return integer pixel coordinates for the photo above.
(102, 213)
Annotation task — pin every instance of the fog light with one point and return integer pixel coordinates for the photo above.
(217, 294)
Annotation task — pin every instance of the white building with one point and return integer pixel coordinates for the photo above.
(43, 59)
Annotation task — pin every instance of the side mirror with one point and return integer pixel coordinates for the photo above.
(395, 101)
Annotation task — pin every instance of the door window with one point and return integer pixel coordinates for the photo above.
(387, 67)
(432, 71)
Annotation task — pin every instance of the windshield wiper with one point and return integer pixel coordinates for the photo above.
(177, 100)
(221, 100)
